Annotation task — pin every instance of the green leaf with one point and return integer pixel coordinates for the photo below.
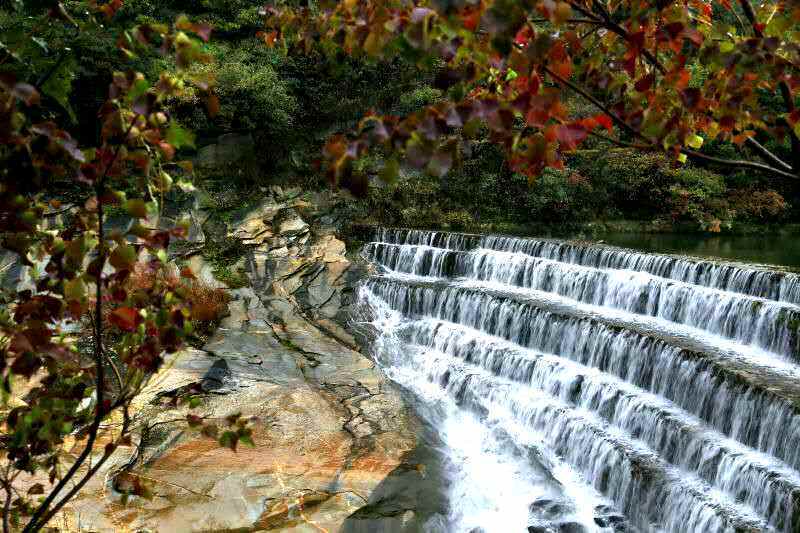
(138, 89)
(59, 86)
(229, 439)
(186, 186)
(75, 289)
(179, 136)
(136, 208)
(695, 141)
(123, 257)
(390, 170)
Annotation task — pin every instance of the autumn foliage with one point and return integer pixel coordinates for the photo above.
(508, 66)
(89, 280)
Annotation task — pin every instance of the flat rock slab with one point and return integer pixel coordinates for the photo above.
(328, 431)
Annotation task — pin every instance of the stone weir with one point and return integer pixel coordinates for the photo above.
(656, 393)
(337, 446)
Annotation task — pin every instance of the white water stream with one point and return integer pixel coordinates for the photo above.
(579, 388)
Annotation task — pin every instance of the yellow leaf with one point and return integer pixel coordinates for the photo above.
(695, 141)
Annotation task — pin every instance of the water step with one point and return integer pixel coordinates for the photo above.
(771, 325)
(768, 486)
(754, 405)
(653, 494)
(729, 276)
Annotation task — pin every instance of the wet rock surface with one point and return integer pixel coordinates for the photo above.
(336, 444)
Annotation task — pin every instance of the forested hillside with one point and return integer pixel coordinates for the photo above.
(282, 107)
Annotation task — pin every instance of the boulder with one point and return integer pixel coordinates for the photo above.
(230, 151)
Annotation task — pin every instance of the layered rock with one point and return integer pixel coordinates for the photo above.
(329, 428)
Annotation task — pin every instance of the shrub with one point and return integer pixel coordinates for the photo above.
(416, 99)
(253, 95)
(700, 196)
(758, 206)
(206, 304)
(560, 196)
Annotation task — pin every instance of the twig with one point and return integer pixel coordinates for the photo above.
(740, 163)
(766, 154)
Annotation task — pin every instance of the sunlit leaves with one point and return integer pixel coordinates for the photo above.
(98, 297)
(636, 63)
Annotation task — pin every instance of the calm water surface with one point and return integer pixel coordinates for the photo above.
(772, 250)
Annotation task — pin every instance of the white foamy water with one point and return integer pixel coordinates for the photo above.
(576, 384)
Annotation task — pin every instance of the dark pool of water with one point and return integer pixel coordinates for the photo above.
(771, 250)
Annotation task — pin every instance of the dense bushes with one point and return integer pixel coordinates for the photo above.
(252, 94)
(595, 185)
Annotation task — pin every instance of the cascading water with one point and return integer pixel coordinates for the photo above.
(589, 388)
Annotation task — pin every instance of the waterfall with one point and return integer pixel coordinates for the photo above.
(640, 391)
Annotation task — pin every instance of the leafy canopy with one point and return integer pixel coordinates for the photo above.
(80, 342)
(661, 76)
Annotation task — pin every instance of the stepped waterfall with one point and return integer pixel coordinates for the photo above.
(582, 387)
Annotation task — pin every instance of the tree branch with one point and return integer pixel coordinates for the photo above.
(619, 142)
(766, 154)
(7, 507)
(37, 520)
(621, 123)
(622, 32)
(738, 163)
(786, 92)
(92, 471)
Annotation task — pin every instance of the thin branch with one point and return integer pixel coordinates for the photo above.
(621, 123)
(117, 373)
(751, 16)
(62, 55)
(570, 21)
(786, 92)
(738, 163)
(622, 32)
(619, 142)
(766, 154)
(89, 475)
(7, 507)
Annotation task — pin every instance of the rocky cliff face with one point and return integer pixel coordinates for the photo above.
(336, 446)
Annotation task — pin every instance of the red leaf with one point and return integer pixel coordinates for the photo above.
(674, 29)
(570, 135)
(644, 84)
(523, 36)
(637, 39)
(605, 121)
(630, 64)
(694, 36)
(727, 123)
(203, 31)
(125, 318)
(470, 18)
